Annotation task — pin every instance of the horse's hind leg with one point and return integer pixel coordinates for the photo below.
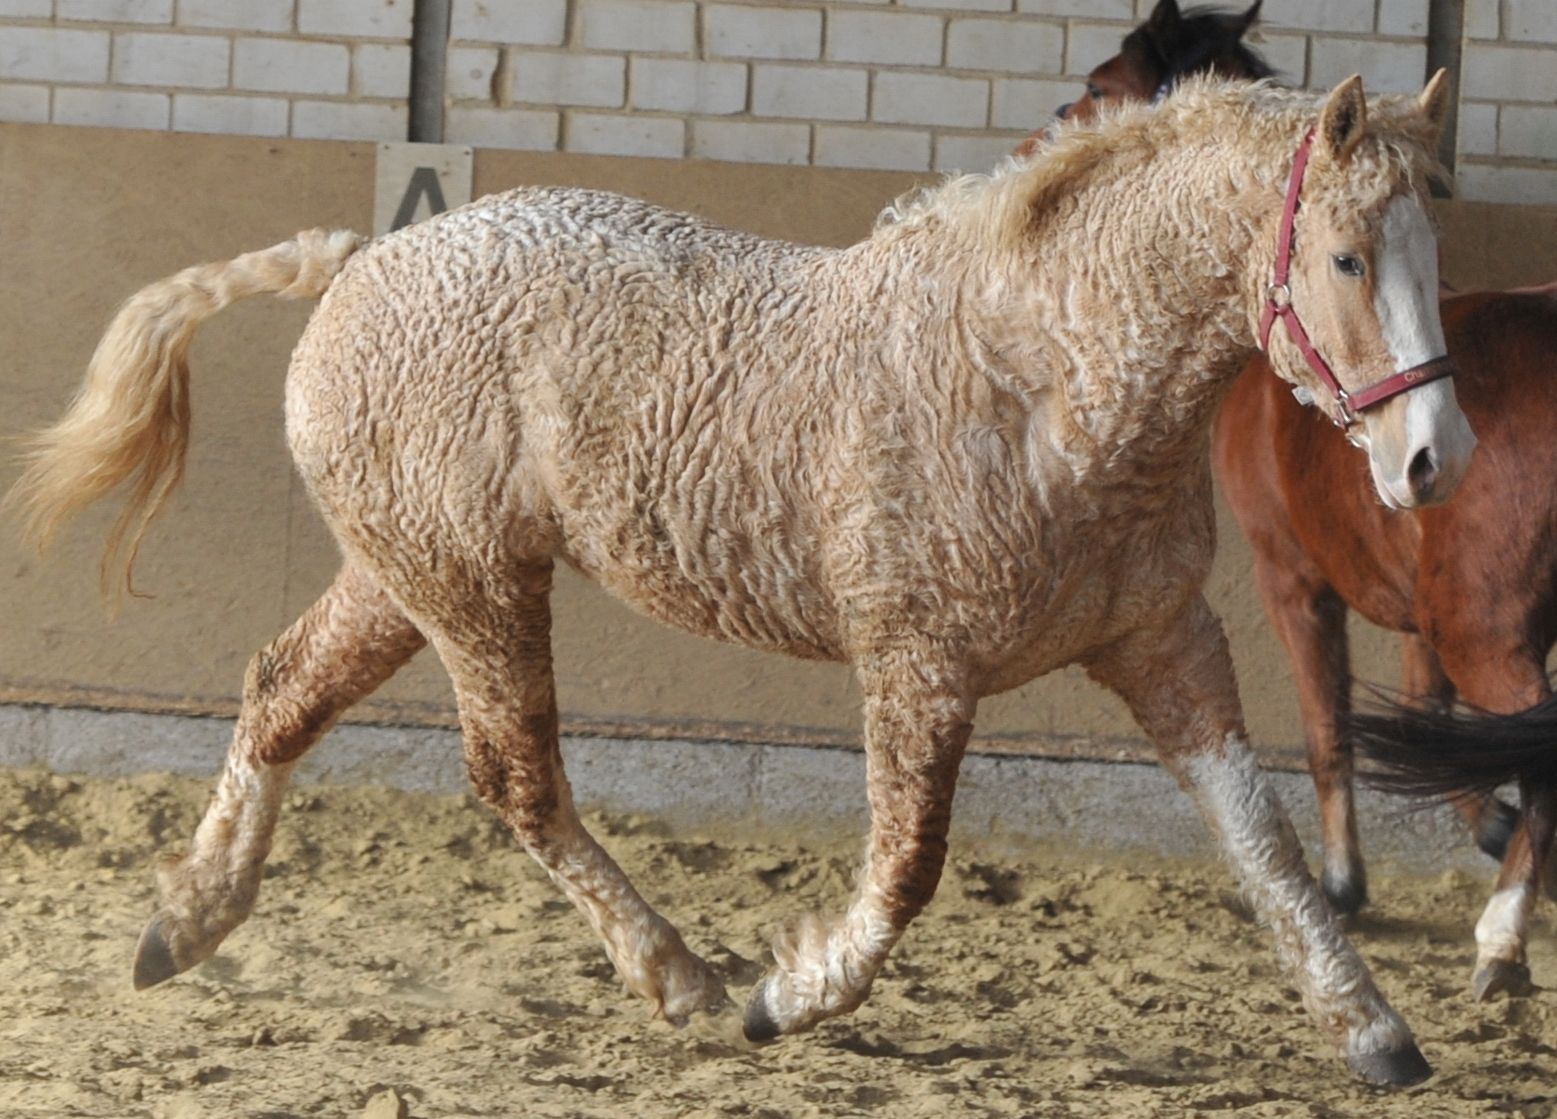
(1504, 682)
(917, 720)
(497, 649)
(1178, 681)
(344, 646)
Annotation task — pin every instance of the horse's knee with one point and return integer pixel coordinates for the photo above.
(912, 873)
(280, 728)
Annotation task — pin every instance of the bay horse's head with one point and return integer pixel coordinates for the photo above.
(1355, 290)
(1171, 45)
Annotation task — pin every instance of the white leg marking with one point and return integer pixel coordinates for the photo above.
(1500, 933)
(1241, 805)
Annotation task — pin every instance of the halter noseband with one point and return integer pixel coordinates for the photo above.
(1278, 304)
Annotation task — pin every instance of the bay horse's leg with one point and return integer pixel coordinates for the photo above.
(1178, 681)
(918, 715)
(1426, 686)
(496, 644)
(1504, 682)
(344, 646)
(1310, 619)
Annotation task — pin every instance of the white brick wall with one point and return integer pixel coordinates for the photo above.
(911, 84)
(327, 68)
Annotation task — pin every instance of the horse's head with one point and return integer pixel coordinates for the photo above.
(1171, 45)
(1355, 285)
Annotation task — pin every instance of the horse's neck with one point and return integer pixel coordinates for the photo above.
(1145, 322)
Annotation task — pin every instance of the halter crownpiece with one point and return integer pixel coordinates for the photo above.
(1278, 304)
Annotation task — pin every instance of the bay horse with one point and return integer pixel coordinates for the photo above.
(928, 455)
(1322, 545)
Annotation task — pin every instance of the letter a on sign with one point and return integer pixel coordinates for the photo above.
(416, 181)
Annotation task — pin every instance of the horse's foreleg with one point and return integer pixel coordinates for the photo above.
(1179, 682)
(917, 721)
(500, 662)
(1310, 619)
(348, 643)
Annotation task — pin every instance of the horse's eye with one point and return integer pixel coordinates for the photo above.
(1094, 92)
(1348, 265)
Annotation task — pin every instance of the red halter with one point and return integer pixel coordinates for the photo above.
(1278, 304)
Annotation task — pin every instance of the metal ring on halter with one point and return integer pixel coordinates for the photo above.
(1286, 296)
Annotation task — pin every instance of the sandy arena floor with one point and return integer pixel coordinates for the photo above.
(406, 960)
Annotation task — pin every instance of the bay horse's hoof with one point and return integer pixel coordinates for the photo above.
(759, 1026)
(1345, 893)
(1396, 1068)
(154, 961)
(1501, 977)
(1497, 822)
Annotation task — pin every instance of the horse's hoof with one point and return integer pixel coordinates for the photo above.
(759, 1026)
(1395, 1068)
(1501, 977)
(154, 961)
(1345, 893)
(1497, 828)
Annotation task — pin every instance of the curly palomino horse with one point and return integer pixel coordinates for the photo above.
(928, 455)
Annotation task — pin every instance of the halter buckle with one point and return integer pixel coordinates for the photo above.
(1279, 296)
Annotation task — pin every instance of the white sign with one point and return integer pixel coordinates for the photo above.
(416, 181)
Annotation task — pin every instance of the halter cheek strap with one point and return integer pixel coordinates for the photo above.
(1278, 305)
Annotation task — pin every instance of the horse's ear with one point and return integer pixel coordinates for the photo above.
(1341, 123)
(1434, 101)
(1249, 18)
(1162, 27)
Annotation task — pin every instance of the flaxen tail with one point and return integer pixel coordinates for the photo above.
(129, 422)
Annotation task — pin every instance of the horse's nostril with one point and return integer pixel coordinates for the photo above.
(1064, 110)
(1422, 472)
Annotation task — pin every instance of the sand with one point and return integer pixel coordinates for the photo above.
(406, 960)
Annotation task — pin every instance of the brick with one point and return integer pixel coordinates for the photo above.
(1011, 46)
(972, 153)
(808, 92)
(25, 103)
(368, 19)
(536, 23)
(880, 149)
(26, 9)
(1091, 43)
(1529, 185)
(678, 86)
(1481, 19)
(150, 58)
(290, 66)
(1090, 9)
(1026, 104)
(346, 120)
(1533, 21)
(605, 134)
(1496, 73)
(569, 79)
(1385, 67)
(896, 38)
(1403, 17)
(1478, 125)
(751, 142)
(469, 74)
(111, 108)
(960, 5)
(1319, 15)
(742, 32)
(53, 54)
(381, 70)
(930, 99)
(666, 26)
(527, 129)
(1288, 56)
(240, 15)
(1528, 130)
(238, 116)
(117, 11)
